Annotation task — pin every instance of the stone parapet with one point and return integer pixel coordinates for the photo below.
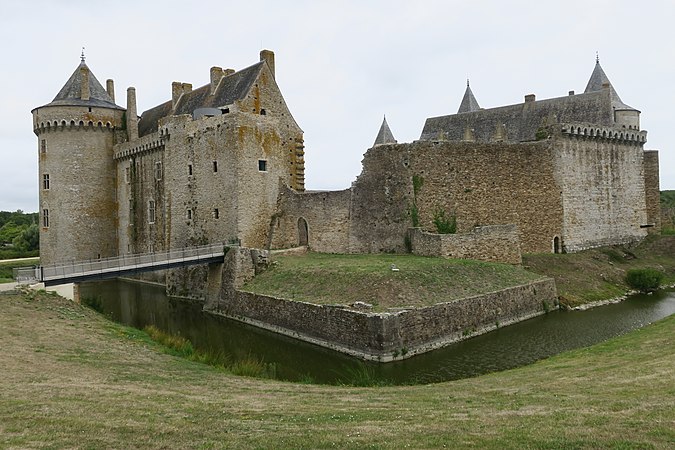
(496, 243)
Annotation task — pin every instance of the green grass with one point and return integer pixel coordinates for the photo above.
(600, 274)
(420, 281)
(72, 379)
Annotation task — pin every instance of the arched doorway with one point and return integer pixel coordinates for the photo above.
(303, 234)
(556, 245)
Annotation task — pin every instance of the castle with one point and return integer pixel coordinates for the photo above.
(225, 163)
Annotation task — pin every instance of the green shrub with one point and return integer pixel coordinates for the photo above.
(445, 224)
(645, 280)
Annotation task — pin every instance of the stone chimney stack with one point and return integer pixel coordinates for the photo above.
(177, 90)
(268, 57)
(132, 115)
(217, 74)
(530, 98)
(110, 87)
(228, 72)
(84, 89)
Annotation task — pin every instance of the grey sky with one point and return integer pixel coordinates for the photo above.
(341, 65)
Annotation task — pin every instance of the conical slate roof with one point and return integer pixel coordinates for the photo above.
(71, 93)
(597, 80)
(469, 102)
(384, 136)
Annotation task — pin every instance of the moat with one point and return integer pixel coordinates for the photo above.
(520, 344)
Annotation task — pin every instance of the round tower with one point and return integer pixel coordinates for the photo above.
(76, 133)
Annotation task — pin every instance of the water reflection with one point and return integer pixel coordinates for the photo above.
(139, 305)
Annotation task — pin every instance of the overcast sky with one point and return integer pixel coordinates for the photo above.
(341, 65)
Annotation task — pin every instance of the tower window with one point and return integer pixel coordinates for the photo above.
(43, 146)
(216, 215)
(262, 165)
(158, 170)
(131, 211)
(127, 174)
(215, 166)
(189, 169)
(45, 181)
(263, 112)
(189, 214)
(45, 218)
(151, 211)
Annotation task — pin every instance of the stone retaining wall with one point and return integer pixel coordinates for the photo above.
(379, 336)
(496, 243)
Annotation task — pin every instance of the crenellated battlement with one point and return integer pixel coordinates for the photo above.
(587, 131)
(72, 124)
(140, 146)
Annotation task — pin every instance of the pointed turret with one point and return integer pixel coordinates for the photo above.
(599, 81)
(384, 136)
(469, 102)
(83, 89)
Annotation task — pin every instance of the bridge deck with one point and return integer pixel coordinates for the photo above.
(126, 264)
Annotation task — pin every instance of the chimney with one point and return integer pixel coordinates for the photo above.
(268, 57)
(110, 87)
(216, 75)
(132, 115)
(177, 90)
(529, 98)
(228, 72)
(84, 88)
(571, 93)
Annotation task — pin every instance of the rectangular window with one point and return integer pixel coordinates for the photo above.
(215, 213)
(262, 165)
(189, 169)
(151, 211)
(158, 170)
(127, 174)
(215, 166)
(45, 218)
(43, 146)
(189, 214)
(131, 211)
(45, 181)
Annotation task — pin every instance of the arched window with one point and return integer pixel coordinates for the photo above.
(303, 233)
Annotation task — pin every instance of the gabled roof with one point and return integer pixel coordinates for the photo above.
(469, 102)
(384, 136)
(598, 80)
(231, 88)
(71, 93)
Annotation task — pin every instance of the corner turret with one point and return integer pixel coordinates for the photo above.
(384, 136)
(624, 116)
(76, 133)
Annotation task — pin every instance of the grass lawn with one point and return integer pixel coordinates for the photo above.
(421, 281)
(598, 274)
(71, 379)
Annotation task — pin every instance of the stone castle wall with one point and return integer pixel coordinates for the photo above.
(482, 184)
(495, 243)
(602, 183)
(325, 213)
(652, 190)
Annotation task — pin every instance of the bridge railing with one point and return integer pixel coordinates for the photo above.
(130, 262)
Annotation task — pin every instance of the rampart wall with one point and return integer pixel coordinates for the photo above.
(496, 243)
(325, 213)
(377, 336)
(652, 190)
(602, 184)
(481, 184)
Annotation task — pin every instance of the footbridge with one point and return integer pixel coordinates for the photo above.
(77, 271)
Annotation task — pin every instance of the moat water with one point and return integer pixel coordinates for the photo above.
(517, 345)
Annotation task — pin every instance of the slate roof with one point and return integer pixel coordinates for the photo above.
(231, 88)
(469, 102)
(384, 136)
(597, 80)
(71, 93)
